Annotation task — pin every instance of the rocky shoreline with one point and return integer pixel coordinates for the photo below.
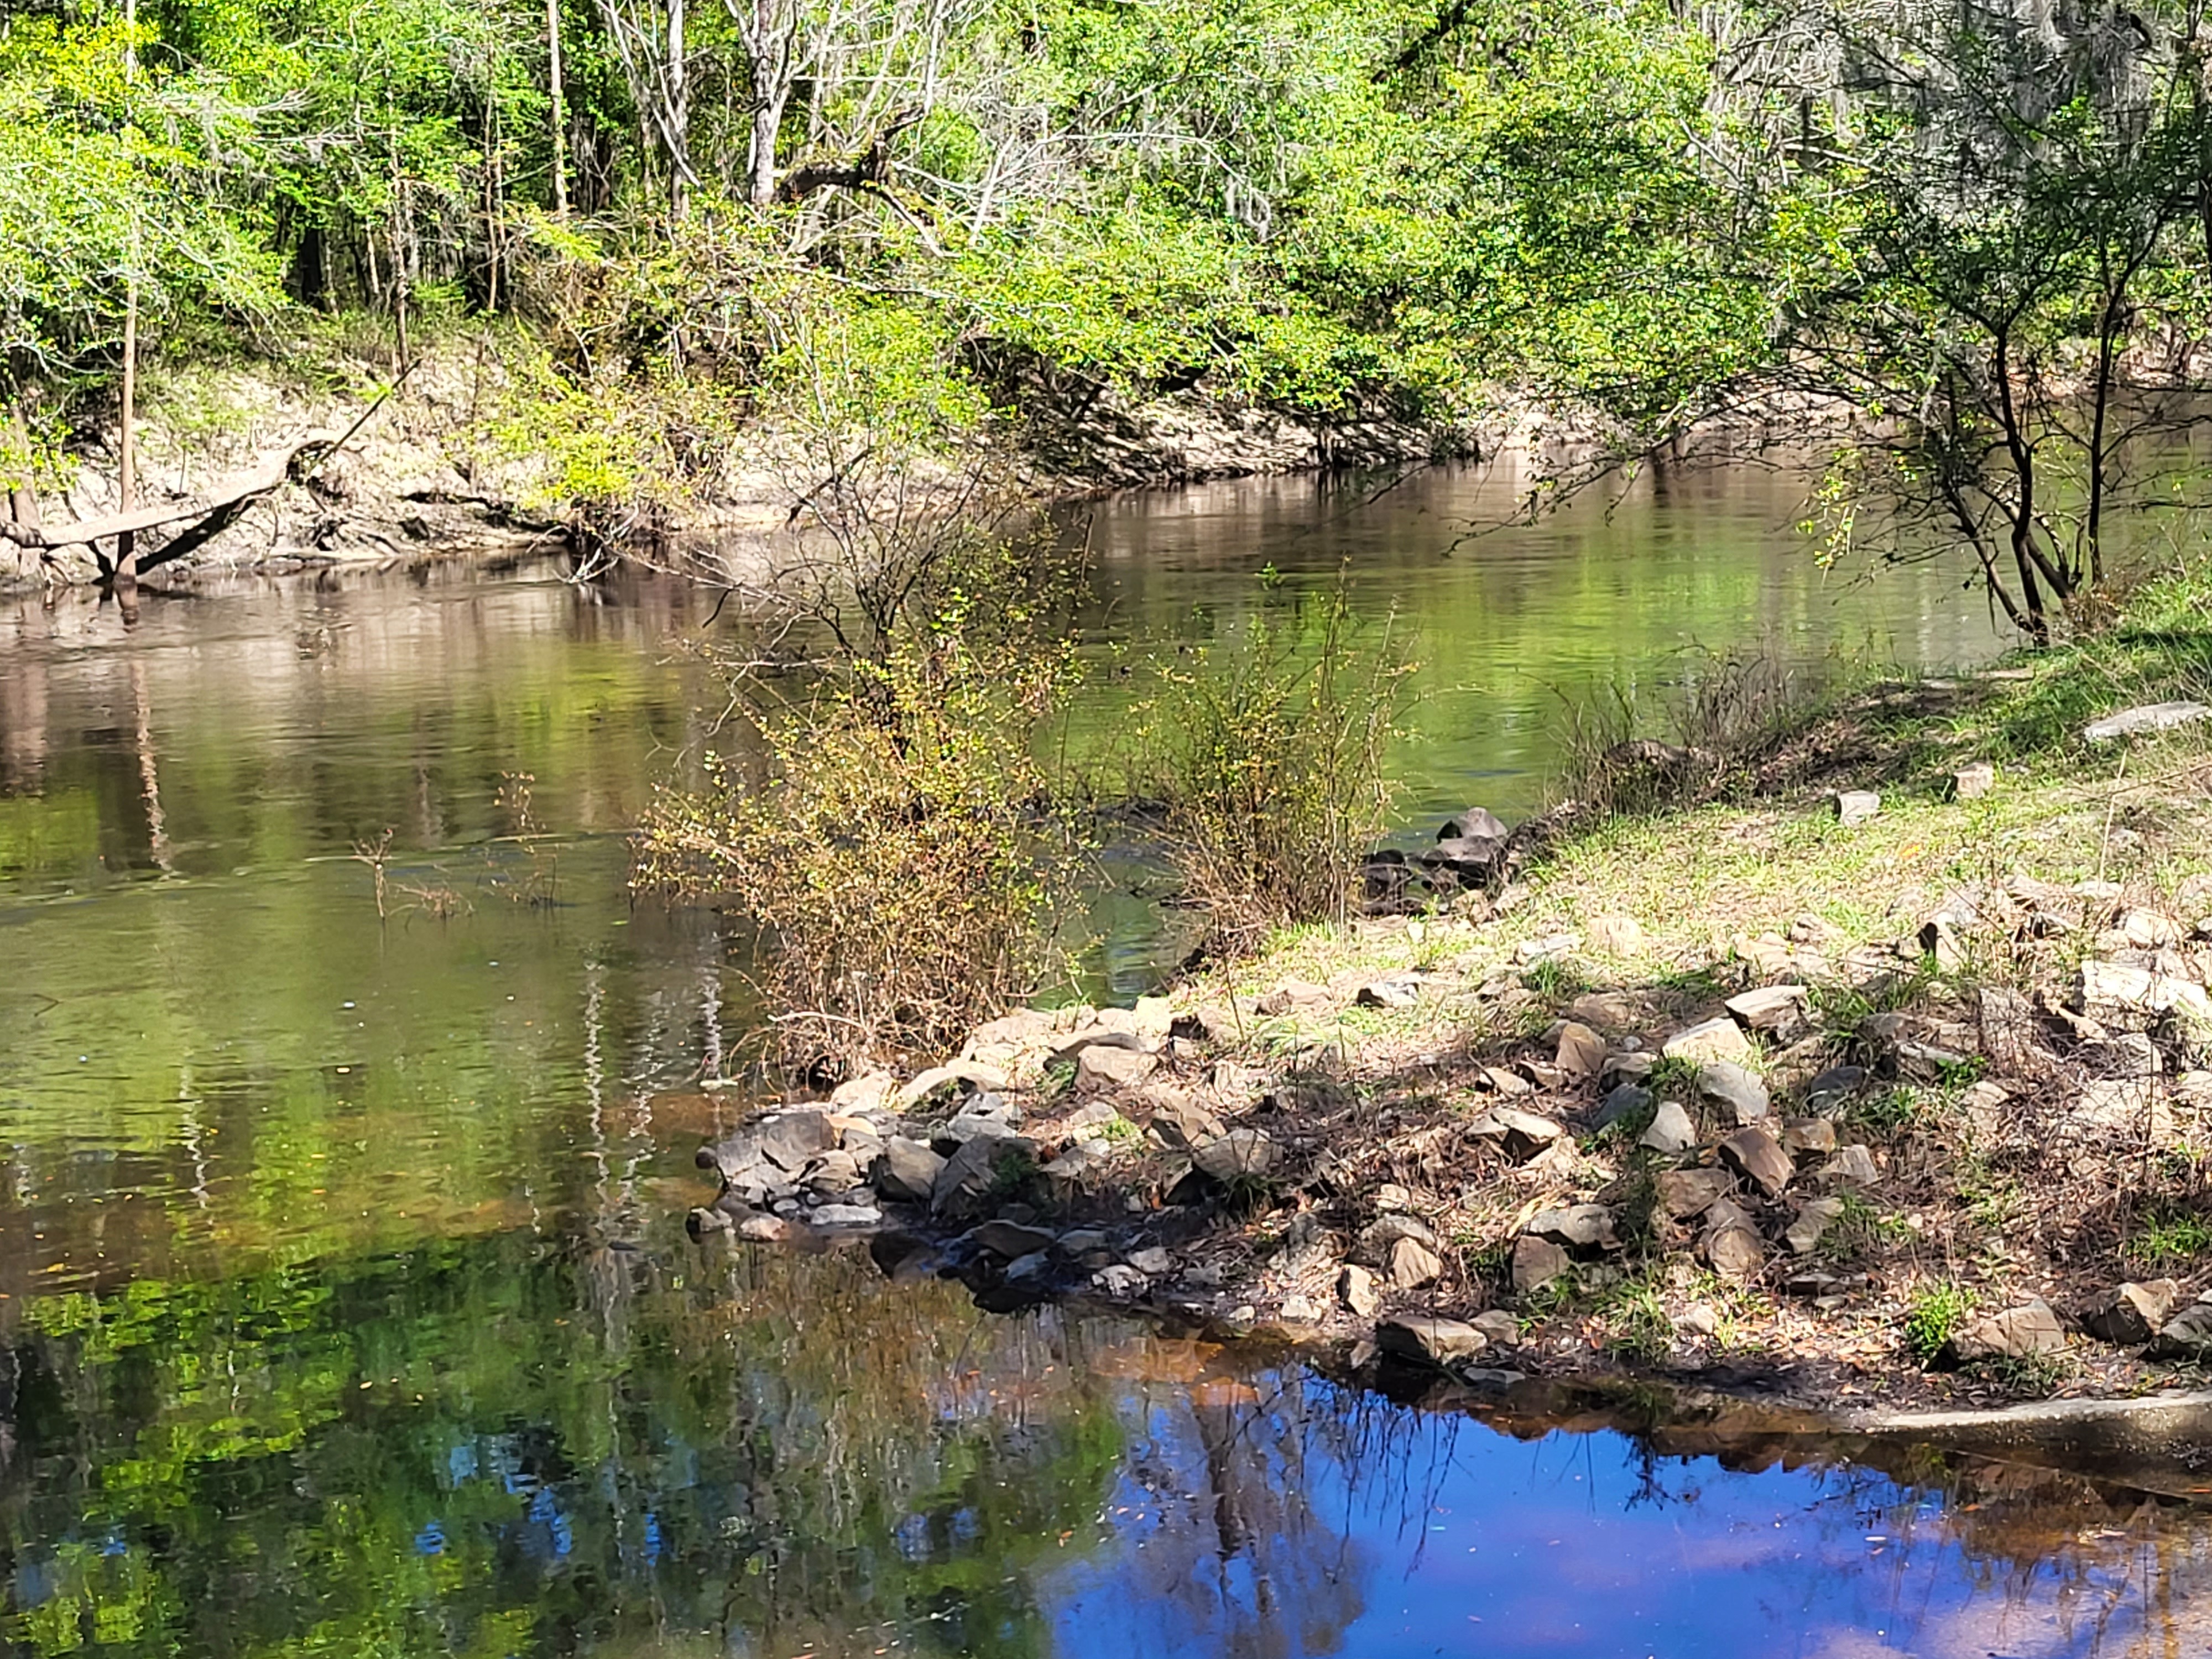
(1760, 1173)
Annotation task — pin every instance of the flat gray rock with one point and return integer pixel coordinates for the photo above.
(1712, 1040)
(1741, 1093)
(1375, 1238)
(1852, 1166)
(1574, 1227)
(1855, 806)
(2146, 717)
(1779, 1009)
(907, 1170)
(1241, 1152)
(1670, 1130)
(2022, 1333)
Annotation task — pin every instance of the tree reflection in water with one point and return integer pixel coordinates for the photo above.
(515, 1444)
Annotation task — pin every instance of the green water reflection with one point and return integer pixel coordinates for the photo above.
(518, 1444)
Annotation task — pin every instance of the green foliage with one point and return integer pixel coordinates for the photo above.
(1934, 1315)
(1554, 979)
(1636, 1321)
(2172, 1237)
(891, 851)
(1267, 758)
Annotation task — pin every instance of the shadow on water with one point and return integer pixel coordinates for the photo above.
(343, 1304)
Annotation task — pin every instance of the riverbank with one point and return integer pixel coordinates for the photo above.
(1871, 1075)
(476, 453)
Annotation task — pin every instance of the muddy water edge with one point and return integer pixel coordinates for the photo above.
(344, 1301)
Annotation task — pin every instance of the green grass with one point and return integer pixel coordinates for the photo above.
(2170, 1237)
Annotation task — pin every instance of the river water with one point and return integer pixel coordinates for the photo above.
(346, 1113)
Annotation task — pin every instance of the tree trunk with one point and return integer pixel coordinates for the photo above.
(559, 116)
(769, 38)
(126, 485)
(22, 493)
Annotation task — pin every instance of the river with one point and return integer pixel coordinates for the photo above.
(346, 1112)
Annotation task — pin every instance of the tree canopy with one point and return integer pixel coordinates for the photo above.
(1981, 228)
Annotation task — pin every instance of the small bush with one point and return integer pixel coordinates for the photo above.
(1933, 1318)
(892, 852)
(1267, 760)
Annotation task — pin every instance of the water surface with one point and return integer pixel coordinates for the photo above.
(344, 1304)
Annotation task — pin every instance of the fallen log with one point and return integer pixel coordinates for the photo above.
(224, 499)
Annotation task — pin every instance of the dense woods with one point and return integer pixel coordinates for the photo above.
(1984, 228)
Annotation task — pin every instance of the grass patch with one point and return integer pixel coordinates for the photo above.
(2170, 1237)
(1934, 1316)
